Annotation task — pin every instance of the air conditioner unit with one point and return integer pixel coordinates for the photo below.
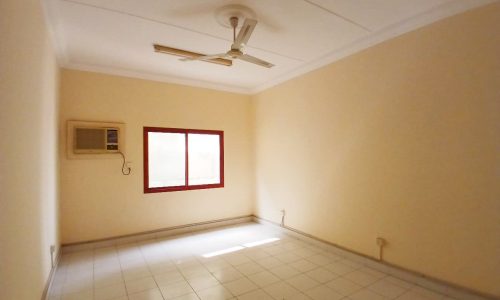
(94, 138)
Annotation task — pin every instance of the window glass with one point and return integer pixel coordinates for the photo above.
(204, 159)
(167, 159)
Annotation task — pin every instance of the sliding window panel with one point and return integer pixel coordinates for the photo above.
(204, 159)
(166, 159)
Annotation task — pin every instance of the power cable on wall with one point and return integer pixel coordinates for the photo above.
(125, 169)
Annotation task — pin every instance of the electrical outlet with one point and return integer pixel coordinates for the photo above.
(381, 241)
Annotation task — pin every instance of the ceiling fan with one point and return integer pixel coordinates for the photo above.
(238, 43)
(224, 58)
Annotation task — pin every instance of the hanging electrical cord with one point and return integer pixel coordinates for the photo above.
(125, 170)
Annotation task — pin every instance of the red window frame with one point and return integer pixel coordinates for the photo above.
(185, 187)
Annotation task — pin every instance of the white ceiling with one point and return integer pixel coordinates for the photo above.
(116, 36)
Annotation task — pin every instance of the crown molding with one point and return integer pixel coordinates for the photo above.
(157, 77)
(55, 30)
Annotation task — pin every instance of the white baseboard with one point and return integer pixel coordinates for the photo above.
(160, 233)
(50, 280)
(422, 280)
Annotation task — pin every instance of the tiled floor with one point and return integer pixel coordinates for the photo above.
(177, 268)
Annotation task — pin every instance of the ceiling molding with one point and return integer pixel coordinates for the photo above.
(157, 77)
(54, 29)
(427, 18)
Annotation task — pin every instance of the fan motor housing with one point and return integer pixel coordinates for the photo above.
(235, 53)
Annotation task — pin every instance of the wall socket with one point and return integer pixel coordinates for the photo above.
(381, 241)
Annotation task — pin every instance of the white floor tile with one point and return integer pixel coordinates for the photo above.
(136, 273)
(249, 268)
(77, 287)
(133, 263)
(333, 256)
(387, 289)
(217, 292)
(323, 292)
(288, 257)
(88, 295)
(216, 265)
(176, 289)
(159, 268)
(168, 278)
(256, 254)
(361, 278)
(281, 290)
(373, 272)
(237, 259)
(269, 262)
(412, 295)
(227, 274)
(263, 278)
(321, 275)
(339, 268)
(139, 285)
(255, 295)
(344, 286)
(274, 250)
(284, 271)
(299, 297)
(427, 293)
(351, 263)
(153, 294)
(399, 282)
(304, 252)
(320, 259)
(240, 286)
(194, 271)
(303, 265)
(366, 294)
(191, 296)
(302, 282)
(202, 282)
(110, 292)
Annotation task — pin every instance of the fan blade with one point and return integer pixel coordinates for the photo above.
(191, 55)
(205, 57)
(255, 60)
(244, 34)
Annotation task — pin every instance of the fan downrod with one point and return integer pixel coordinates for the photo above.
(224, 14)
(234, 23)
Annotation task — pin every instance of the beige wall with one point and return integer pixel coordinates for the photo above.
(97, 201)
(28, 151)
(399, 141)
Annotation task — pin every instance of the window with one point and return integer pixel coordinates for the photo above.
(182, 159)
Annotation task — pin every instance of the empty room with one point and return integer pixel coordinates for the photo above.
(249, 150)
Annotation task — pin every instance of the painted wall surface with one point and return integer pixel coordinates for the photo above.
(97, 201)
(28, 151)
(399, 141)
